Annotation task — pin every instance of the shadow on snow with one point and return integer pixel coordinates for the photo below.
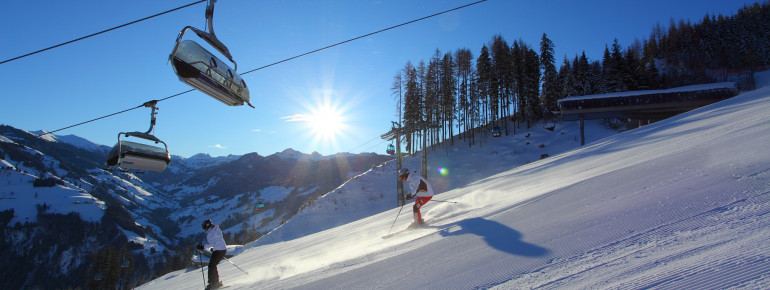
(497, 236)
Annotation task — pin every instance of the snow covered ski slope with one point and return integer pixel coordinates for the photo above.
(682, 204)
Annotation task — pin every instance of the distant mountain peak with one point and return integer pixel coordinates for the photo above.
(200, 156)
(70, 139)
(201, 160)
(291, 154)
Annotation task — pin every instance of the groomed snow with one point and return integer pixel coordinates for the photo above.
(682, 203)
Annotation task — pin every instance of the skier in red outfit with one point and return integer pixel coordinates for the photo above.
(420, 189)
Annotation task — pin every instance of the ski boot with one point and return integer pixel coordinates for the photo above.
(215, 285)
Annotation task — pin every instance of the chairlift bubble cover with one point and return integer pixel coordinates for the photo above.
(200, 69)
(131, 155)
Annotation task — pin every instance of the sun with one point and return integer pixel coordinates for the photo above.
(326, 122)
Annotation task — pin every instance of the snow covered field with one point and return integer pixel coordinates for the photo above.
(682, 203)
(61, 198)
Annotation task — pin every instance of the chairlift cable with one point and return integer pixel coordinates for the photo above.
(376, 145)
(253, 70)
(113, 114)
(363, 36)
(89, 121)
(370, 140)
(100, 32)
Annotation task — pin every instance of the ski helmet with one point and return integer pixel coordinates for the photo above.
(404, 172)
(206, 225)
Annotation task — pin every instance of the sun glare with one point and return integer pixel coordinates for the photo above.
(326, 122)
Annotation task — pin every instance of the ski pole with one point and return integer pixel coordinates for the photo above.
(394, 221)
(226, 259)
(239, 268)
(200, 257)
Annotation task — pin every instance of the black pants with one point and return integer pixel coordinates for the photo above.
(216, 257)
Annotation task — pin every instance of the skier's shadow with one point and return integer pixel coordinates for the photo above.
(497, 236)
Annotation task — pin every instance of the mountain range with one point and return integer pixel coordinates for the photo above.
(57, 192)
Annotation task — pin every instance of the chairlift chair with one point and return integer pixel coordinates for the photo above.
(197, 67)
(497, 131)
(391, 150)
(132, 155)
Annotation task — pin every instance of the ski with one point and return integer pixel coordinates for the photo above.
(409, 228)
(388, 236)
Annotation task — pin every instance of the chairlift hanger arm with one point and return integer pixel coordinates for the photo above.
(210, 15)
(211, 37)
(151, 104)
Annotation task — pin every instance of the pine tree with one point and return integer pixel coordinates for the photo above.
(613, 68)
(419, 130)
(566, 79)
(464, 71)
(531, 83)
(412, 104)
(582, 71)
(448, 90)
(547, 64)
(520, 66)
(432, 105)
(503, 79)
(634, 77)
(484, 82)
(597, 79)
(396, 91)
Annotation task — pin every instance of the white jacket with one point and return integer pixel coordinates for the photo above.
(214, 239)
(414, 180)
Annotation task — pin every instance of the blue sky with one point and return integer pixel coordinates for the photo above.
(126, 67)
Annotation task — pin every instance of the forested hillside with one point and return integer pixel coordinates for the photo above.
(474, 88)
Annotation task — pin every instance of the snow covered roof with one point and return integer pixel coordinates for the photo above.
(693, 88)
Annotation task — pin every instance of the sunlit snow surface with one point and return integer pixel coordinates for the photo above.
(682, 203)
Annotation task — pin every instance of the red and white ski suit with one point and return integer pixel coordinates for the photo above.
(422, 190)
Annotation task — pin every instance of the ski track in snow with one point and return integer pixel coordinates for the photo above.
(684, 254)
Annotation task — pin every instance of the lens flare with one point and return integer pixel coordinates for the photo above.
(443, 171)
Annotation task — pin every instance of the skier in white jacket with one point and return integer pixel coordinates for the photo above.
(216, 242)
(421, 189)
